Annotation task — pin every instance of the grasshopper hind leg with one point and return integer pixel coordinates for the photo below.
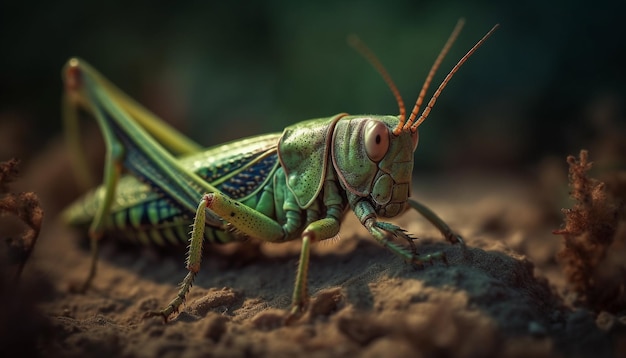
(112, 173)
(74, 98)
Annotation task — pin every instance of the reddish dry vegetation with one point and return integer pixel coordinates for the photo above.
(26, 207)
(21, 323)
(594, 240)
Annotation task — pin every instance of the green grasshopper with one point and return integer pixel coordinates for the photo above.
(273, 188)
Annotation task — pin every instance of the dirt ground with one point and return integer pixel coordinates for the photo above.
(503, 295)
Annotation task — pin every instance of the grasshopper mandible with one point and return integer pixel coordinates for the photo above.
(274, 188)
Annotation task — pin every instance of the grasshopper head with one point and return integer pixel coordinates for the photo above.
(373, 155)
(371, 161)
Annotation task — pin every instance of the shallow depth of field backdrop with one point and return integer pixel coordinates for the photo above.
(224, 70)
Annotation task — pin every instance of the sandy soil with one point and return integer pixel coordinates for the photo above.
(500, 296)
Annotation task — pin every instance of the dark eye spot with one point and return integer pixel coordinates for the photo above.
(378, 139)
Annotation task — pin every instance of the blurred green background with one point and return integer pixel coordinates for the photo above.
(549, 82)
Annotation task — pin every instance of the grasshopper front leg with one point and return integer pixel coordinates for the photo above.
(367, 215)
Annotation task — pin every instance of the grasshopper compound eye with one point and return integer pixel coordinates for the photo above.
(376, 137)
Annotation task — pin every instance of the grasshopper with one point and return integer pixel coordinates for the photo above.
(274, 188)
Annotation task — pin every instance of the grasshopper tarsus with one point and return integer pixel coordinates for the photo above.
(454, 238)
(79, 287)
(168, 311)
(76, 287)
(293, 316)
(419, 261)
(162, 314)
(174, 306)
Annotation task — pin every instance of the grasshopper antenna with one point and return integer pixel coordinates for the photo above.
(360, 46)
(445, 81)
(442, 54)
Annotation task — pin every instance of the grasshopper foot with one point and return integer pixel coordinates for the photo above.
(164, 313)
(296, 312)
(292, 317)
(79, 287)
(455, 238)
(420, 260)
(398, 232)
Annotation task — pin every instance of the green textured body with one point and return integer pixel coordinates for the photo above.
(292, 178)
(141, 214)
